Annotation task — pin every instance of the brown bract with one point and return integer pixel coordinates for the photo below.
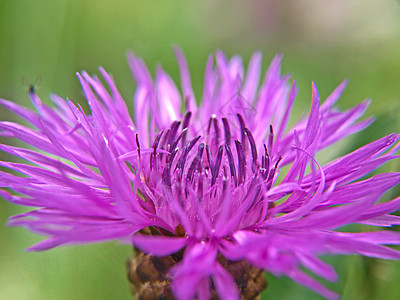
(150, 280)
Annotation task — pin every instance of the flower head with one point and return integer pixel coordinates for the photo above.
(202, 183)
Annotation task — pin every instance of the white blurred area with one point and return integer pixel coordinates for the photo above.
(325, 22)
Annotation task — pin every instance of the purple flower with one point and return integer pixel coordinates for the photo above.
(203, 183)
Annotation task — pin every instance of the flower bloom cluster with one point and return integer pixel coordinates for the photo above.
(206, 178)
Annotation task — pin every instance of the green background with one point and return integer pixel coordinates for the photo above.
(46, 42)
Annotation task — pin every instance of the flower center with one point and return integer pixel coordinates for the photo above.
(200, 174)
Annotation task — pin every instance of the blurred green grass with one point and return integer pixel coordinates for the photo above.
(52, 40)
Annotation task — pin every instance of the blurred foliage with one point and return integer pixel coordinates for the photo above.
(325, 41)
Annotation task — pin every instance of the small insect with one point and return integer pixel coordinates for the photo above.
(31, 87)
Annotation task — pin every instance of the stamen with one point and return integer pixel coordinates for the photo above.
(154, 154)
(186, 120)
(209, 157)
(225, 179)
(277, 162)
(182, 160)
(270, 137)
(200, 189)
(166, 177)
(185, 125)
(193, 142)
(265, 150)
(200, 150)
(138, 145)
(253, 149)
(174, 129)
(242, 133)
(209, 126)
(157, 141)
(216, 129)
(241, 162)
(195, 163)
(164, 142)
(217, 165)
(231, 163)
(165, 139)
(267, 162)
(272, 173)
(192, 168)
(227, 131)
(175, 143)
(200, 155)
(172, 156)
